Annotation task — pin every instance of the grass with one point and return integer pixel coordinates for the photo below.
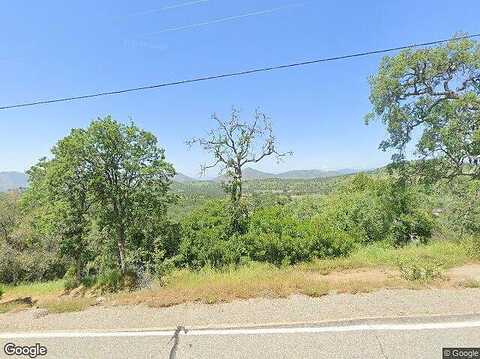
(34, 289)
(367, 269)
(213, 286)
(46, 295)
(66, 305)
(470, 283)
(448, 253)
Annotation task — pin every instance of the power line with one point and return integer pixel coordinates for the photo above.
(234, 74)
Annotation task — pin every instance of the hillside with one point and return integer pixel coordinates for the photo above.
(181, 178)
(12, 180)
(309, 174)
(253, 174)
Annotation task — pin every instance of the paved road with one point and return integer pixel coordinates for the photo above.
(388, 338)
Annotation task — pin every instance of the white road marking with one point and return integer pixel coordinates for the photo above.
(246, 331)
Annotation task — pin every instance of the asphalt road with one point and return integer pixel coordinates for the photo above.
(422, 337)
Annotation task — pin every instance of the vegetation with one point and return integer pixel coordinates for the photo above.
(235, 144)
(102, 215)
(437, 92)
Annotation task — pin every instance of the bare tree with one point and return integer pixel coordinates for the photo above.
(236, 143)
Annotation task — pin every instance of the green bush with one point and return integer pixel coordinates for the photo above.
(416, 226)
(32, 264)
(110, 281)
(70, 279)
(420, 270)
(208, 237)
(330, 241)
(374, 209)
(2, 291)
(276, 236)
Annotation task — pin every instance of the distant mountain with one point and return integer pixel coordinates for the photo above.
(252, 174)
(307, 174)
(181, 178)
(12, 180)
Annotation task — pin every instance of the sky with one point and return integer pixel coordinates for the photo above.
(57, 49)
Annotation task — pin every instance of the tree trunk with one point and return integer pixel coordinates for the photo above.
(121, 247)
(238, 184)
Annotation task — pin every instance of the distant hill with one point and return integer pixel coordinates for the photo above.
(308, 174)
(181, 178)
(252, 174)
(12, 180)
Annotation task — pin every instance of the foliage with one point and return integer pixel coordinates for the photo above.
(106, 192)
(27, 251)
(364, 209)
(206, 237)
(378, 208)
(421, 270)
(113, 280)
(459, 206)
(432, 94)
(414, 226)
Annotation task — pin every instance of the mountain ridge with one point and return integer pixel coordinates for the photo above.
(253, 174)
(12, 180)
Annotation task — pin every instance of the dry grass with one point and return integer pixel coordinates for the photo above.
(210, 286)
(470, 283)
(368, 269)
(66, 305)
(259, 280)
(47, 295)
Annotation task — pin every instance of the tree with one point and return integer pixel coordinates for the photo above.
(112, 175)
(9, 216)
(432, 95)
(235, 144)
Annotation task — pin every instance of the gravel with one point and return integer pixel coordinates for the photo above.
(295, 309)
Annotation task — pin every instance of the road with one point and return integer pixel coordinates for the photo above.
(422, 337)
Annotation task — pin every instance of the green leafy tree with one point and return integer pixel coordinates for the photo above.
(9, 216)
(110, 175)
(431, 97)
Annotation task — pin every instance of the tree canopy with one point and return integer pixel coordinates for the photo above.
(110, 176)
(431, 97)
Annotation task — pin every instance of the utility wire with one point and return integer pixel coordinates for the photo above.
(234, 74)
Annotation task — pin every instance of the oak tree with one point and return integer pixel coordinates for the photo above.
(431, 98)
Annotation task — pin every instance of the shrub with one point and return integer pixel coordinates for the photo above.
(2, 291)
(420, 270)
(412, 227)
(277, 236)
(70, 279)
(373, 209)
(330, 241)
(208, 238)
(110, 281)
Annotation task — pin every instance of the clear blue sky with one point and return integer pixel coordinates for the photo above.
(58, 48)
